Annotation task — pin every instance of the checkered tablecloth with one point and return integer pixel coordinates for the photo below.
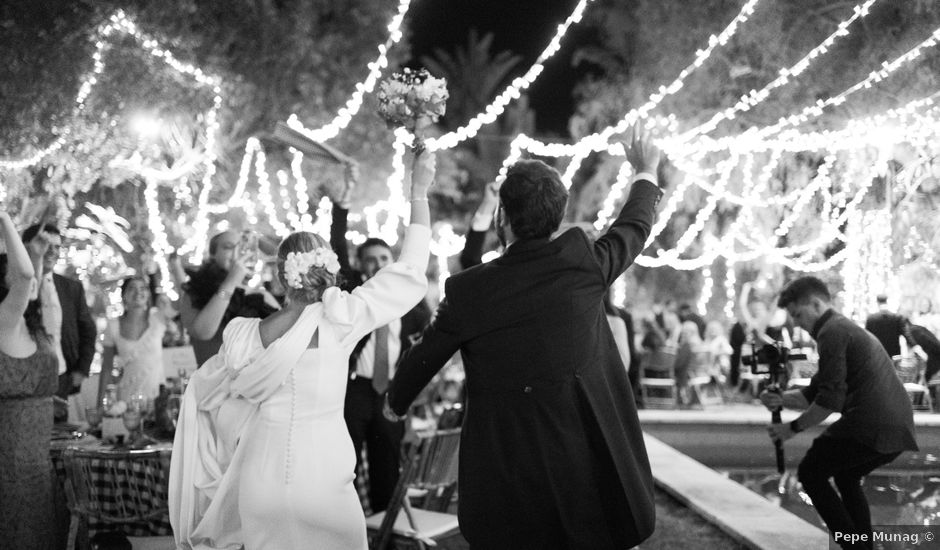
(117, 494)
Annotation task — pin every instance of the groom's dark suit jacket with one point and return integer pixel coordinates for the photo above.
(551, 455)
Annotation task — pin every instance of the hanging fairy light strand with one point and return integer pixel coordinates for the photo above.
(512, 92)
(599, 141)
(754, 97)
(354, 103)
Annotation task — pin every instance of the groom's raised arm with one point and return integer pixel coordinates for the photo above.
(422, 361)
(626, 238)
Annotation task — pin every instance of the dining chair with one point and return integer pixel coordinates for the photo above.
(658, 386)
(123, 490)
(428, 477)
(702, 381)
(910, 369)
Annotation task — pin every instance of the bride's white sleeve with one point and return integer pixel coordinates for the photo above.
(391, 293)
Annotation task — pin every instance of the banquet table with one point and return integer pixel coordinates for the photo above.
(115, 489)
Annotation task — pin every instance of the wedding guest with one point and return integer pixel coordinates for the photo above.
(472, 253)
(373, 361)
(551, 452)
(136, 339)
(857, 379)
(66, 318)
(889, 327)
(741, 336)
(687, 353)
(654, 337)
(930, 344)
(28, 380)
(618, 328)
(687, 313)
(262, 457)
(215, 294)
(632, 361)
(719, 349)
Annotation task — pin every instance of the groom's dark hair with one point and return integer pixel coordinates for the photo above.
(533, 199)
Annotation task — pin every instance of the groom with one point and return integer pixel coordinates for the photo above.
(551, 455)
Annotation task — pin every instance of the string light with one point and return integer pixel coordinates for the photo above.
(300, 189)
(354, 103)
(599, 141)
(816, 110)
(753, 98)
(619, 291)
(707, 285)
(616, 191)
(161, 247)
(868, 269)
(446, 245)
(512, 92)
(807, 193)
(730, 281)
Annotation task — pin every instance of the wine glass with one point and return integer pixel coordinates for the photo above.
(117, 369)
(93, 417)
(132, 421)
(173, 409)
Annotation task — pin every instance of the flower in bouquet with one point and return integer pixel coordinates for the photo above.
(409, 98)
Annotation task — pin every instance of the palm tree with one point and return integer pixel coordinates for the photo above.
(474, 77)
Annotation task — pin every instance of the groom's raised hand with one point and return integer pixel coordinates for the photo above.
(642, 154)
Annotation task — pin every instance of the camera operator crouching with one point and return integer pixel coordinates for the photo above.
(857, 379)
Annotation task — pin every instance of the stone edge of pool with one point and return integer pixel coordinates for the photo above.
(743, 515)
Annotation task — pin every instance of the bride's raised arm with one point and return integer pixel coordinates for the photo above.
(398, 287)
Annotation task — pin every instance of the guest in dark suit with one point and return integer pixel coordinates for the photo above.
(928, 342)
(65, 315)
(552, 455)
(373, 360)
(889, 327)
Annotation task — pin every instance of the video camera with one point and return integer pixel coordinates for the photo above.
(772, 359)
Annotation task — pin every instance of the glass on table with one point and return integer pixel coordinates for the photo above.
(93, 417)
(173, 409)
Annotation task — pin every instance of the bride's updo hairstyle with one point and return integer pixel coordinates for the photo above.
(306, 266)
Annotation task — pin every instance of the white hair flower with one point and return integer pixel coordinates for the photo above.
(298, 263)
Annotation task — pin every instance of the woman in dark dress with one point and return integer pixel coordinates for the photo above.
(28, 379)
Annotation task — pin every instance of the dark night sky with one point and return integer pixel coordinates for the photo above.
(523, 26)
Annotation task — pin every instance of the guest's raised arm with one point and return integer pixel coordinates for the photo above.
(472, 253)
(397, 287)
(341, 199)
(19, 276)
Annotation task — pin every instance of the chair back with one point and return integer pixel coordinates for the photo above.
(701, 363)
(909, 368)
(431, 466)
(660, 363)
(117, 487)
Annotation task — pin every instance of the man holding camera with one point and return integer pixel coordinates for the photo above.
(857, 379)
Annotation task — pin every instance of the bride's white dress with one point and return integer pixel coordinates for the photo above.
(262, 457)
(300, 491)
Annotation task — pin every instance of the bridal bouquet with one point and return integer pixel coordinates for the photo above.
(410, 99)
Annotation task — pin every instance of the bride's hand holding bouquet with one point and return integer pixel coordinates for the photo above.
(412, 100)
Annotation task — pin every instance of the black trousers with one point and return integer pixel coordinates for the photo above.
(382, 439)
(846, 462)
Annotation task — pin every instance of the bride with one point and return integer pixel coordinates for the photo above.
(262, 458)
